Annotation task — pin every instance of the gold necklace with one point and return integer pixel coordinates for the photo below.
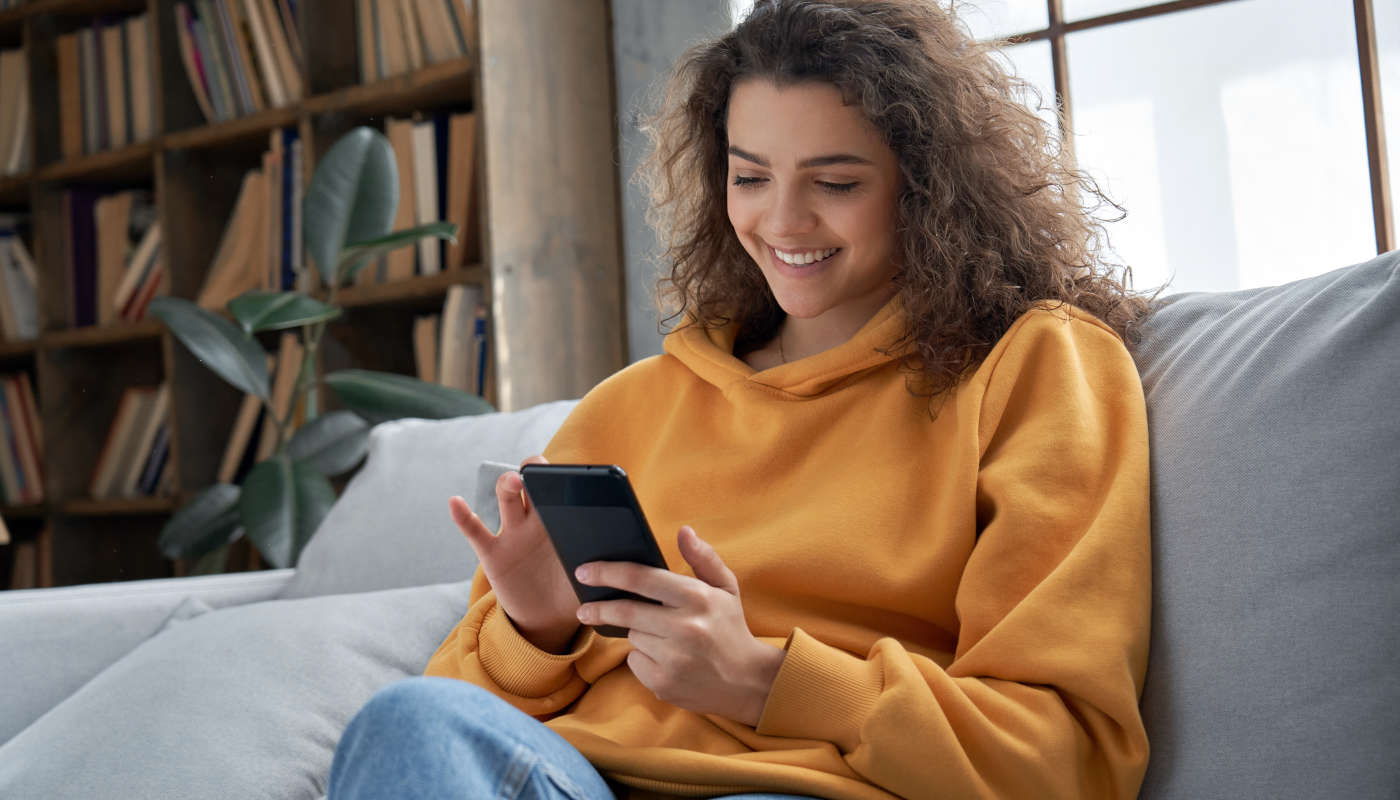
(781, 356)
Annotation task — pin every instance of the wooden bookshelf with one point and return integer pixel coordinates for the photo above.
(194, 169)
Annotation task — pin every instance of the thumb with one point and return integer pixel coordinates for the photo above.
(702, 558)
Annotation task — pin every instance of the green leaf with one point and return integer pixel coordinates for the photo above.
(215, 341)
(283, 502)
(269, 311)
(357, 255)
(207, 522)
(381, 396)
(353, 195)
(332, 443)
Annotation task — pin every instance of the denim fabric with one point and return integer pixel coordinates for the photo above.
(429, 737)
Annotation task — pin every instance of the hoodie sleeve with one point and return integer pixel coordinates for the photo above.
(1041, 696)
(486, 649)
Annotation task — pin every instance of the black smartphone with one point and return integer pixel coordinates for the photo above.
(591, 514)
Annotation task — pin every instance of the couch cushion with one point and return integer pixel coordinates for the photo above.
(236, 703)
(1275, 443)
(391, 527)
(56, 640)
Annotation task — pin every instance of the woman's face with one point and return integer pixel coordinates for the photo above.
(811, 195)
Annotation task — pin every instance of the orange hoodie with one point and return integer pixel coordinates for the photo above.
(964, 600)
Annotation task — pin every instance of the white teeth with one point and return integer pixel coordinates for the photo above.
(799, 259)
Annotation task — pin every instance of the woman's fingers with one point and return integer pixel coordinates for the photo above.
(478, 535)
(705, 561)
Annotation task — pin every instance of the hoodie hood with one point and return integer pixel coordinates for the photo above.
(709, 353)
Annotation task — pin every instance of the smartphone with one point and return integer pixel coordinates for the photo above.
(591, 514)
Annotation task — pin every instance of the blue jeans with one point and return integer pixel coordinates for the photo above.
(437, 737)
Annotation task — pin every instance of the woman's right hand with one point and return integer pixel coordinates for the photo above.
(522, 566)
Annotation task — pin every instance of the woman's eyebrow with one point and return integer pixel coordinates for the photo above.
(817, 161)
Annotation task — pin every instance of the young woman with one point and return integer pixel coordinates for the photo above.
(900, 436)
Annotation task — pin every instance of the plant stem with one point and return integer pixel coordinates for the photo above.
(306, 375)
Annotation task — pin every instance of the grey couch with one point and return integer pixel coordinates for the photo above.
(1273, 673)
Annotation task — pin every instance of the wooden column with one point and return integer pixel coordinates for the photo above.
(552, 228)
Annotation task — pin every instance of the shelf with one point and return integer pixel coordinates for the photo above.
(409, 290)
(102, 336)
(88, 507)
(133, 162)
(253, 127)
(29, 511)
(401, 94)
(77, 7)
(14, 189)
(17, 349)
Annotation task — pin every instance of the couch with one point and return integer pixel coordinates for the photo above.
(1275, 432)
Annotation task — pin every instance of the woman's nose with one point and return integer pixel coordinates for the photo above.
(790, 215)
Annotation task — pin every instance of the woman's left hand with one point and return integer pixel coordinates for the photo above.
(694, 650)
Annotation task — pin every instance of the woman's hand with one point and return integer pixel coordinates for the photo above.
(695, 650)
(522, 566)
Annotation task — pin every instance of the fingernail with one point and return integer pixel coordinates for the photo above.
(584, 613)
(584, 573)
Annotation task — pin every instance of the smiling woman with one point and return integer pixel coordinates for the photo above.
(895, 455)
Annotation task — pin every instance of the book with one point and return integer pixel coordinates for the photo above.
(240, 435)
(463, 23)
(81, 237)
(139, 77)
(206, 39)
(70, 95)
(481, 341)
(31, 410)
(19, 304)
(238, 264)
(364, 26)
(280, 36)
(113, 86)
(391, 38)
(456, 350)
(399, 263)
(137, 269)
(425, 187)
(12, 78)
(154, 419)
(231, 14)
(194, 70)
(425, 344)
(461, 188)
(113, 219)
(412, 35)
(284, 382)
(119, 441)
(27, 445)
(15, 492)
(20, 157)
(155, 283)
(148, 482)
(262, 46)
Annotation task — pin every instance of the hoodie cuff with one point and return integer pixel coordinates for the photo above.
(820, 693)
(520, 668)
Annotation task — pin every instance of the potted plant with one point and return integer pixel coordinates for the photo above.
(347, 214)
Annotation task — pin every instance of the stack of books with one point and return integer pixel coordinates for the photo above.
(451, 348)
(16, 143)
(21, 442)
(105, 85)
(398, 36)
(261, 246)
(113, 259)
(19, 282)
(137, 448)
(435, 157)
(240, 56)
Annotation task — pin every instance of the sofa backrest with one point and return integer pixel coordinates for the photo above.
(1274, 417)
(391, 528)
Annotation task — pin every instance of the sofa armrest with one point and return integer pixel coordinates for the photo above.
(56, 640)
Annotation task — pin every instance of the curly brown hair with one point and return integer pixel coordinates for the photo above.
(989, 214)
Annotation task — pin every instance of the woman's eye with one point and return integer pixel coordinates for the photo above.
(839, 188)
(740, 180)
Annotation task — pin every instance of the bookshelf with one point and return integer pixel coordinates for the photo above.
(538, 77)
